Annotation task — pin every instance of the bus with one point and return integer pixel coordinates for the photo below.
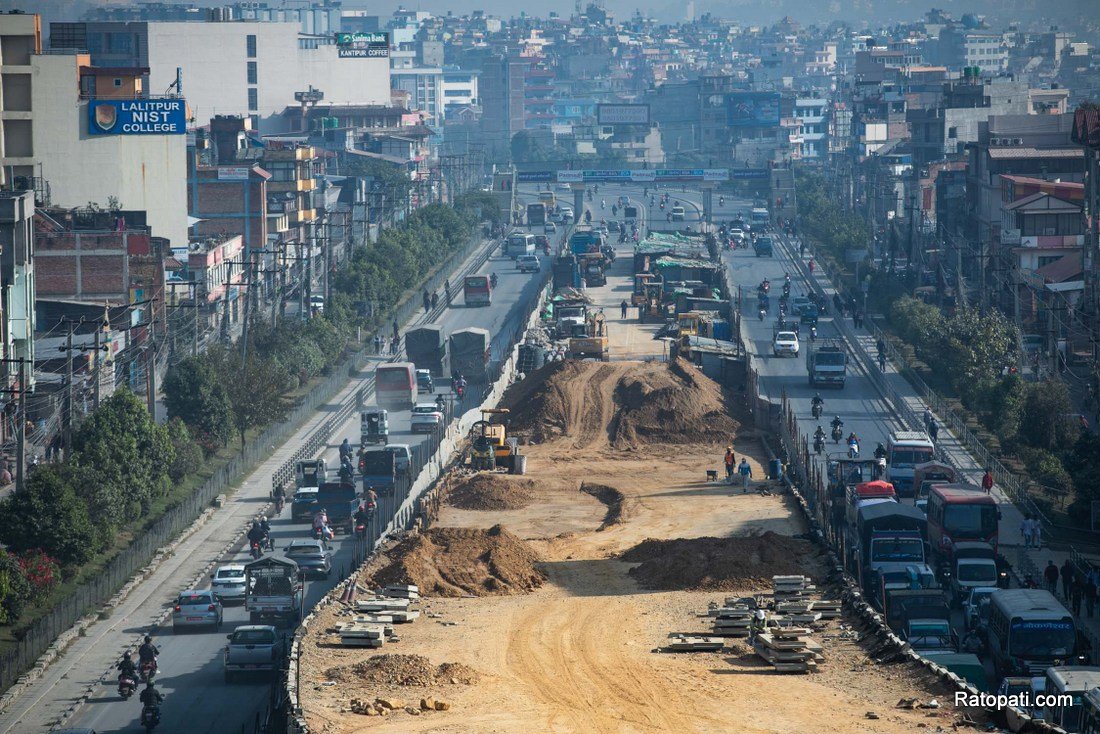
(959, 513)
(547, 198)
(1065, 690)
(1029, 631)
(536, 215)
(759, 218)
(904, 450)
(395, 385)
(477, 290)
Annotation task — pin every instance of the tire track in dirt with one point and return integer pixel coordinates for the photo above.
(569, 654)
(596, 406)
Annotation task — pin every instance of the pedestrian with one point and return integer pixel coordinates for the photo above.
(1077, 595)
(1025, 530)
(427, 301)
(435, 300)
(622, 308)
(987, 480)
(1091, 592)
(802, 249)
(1050, 575)
(933, 430)
(395, 344)
(1036, 532)
(746, 474)
(5, 475)
(377, 343)
(1067, 578)
(731, 461)
(811, 266)
(396, 331)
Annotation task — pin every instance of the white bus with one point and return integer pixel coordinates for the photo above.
(1029, 631)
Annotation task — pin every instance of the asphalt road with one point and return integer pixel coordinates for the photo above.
(191, 679)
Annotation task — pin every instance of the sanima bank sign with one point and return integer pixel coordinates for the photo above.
(363, 45)
(137, 117)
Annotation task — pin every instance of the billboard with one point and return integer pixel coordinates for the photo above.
(363, 45)
(752, 109)
(137, 117)
(622, 114)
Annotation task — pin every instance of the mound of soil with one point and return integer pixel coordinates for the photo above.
(404, 670)
(632, 404)
(485, 491)
(613, 498)
(721, 564)
(462, 561)
(673, 404)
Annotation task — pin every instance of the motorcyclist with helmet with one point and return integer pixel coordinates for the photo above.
(126, 667)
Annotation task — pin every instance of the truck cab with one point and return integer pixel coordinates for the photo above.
(827, 364)
(974, 566)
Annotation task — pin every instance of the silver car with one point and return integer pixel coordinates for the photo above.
(311, 557)
(197, 608)
(228, 582)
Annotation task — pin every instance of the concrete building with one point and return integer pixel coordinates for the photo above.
(502, 85)
(459, 88)
(77, 133)
(17, 283)
(960, 47)
(240, 68)
(813, 116)
(425, 87)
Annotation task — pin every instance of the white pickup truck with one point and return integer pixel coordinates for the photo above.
(253, 648)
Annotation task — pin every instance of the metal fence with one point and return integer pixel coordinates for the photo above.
(95, 592)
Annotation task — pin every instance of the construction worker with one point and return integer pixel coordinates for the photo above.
(746, 474)
(731, 462)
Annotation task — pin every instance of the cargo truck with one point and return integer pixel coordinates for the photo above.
(826, 364)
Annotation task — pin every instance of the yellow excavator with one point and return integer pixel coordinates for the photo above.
(489, 447)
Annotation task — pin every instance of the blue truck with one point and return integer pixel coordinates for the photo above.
(340, 501)
(379, 469)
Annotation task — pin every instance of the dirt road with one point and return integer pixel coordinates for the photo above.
(578, 654)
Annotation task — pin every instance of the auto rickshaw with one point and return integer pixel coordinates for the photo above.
(374, 426)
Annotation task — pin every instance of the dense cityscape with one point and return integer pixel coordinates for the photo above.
(435, 364)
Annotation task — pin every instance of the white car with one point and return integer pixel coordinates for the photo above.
(677, 213)
(402, 456)
(785, 344)
(737, 235)
(527, 263)
(567, 213)
(426, 418)
(550, 228)
(317, 304)
(228, 582)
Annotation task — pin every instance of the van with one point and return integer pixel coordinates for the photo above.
(677, 213)
(519, 244)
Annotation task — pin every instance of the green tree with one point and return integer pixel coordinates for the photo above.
(15, 591)
(1045, 423)
(391, 181)
(188, 454)
(1083, 464)
(255, 389)
(479, 206)
(194, 393)
(69, 535)
(122, 458)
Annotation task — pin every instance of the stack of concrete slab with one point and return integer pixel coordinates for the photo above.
(399, 610)
(791, 588)
(402, 591)
(733, 620)
(361, 634)
(427, 349)
(469, 350)
(788, 649)
(691, 643)
(828, 608)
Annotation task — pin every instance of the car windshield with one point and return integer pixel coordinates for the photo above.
(253, 637)
(977, 572)
(830, 358)
(786, 336)
(906, 457)
(975, 521)
(897, 549)
(231, 573)
(303, 550)
(1046, 639)
(425, 409)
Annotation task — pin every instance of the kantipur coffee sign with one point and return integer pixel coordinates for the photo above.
(137, 117)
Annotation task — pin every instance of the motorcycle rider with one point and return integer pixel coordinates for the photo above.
(362, 515)
(493, 279)
(266, 527)
(320, 519)
(813, 334)
(440, 402)
(853, 442)
(837, 423)
(345, 450)
(279, 495)
(151, 699)
(817, 401)
(819, 439)
(148, 652)
(880, 451)
(460, 387)
(256, 535)
(126, 667)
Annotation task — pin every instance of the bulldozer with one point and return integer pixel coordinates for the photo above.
(489, 447)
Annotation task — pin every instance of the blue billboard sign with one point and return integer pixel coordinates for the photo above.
(621, 176)
(534, 176)
(752, 109)
(741, 174)
(137, 117)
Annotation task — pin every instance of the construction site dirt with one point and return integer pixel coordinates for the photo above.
(629, 541)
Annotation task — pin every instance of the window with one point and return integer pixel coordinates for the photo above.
(118, 82)
(253, 100)
(1048, 259)
(118, 43)
(251, 72)
(250, 42)
(952, 132)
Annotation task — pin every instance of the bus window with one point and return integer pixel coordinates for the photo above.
(970, 521)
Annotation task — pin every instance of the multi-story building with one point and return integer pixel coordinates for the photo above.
(239, 68)
(425, 87)
(501, 84)
(960, 47)
(17, 286)
(82, 133)
(812, 115)
(459, 88)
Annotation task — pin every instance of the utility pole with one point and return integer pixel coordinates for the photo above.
(95, 387)
(68, 425)
(21, 431)
(151, 366)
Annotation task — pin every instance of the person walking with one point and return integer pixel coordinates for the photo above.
(1068, 576)
(396, 332)
(622, 309)
(1077, 595)
(427, 301)
(746, 474)
(1036, 532)
(1050, 575)
(377, 343)
(435, 300)
(987, 480)
(1025, 530)
(731, 461)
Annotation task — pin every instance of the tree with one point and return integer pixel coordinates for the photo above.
(122, 458)
(194, 393)
(390, 181)
(42, 574)
(15, 592)
(188, 454)
(48, 514)
(479, 206)
(1045, 423)
(255, 389)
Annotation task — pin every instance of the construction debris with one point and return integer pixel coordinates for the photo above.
(691, 643)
